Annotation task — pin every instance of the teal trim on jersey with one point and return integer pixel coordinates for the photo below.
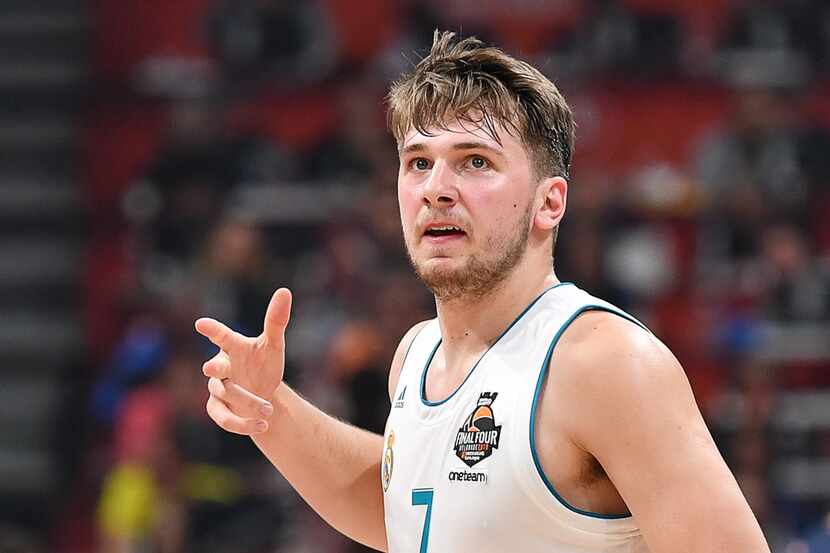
(423, 394)
(542, 372)
(403, 363)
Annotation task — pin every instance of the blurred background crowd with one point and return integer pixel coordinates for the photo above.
(166, 160)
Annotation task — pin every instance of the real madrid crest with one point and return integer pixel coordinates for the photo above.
(388, 461)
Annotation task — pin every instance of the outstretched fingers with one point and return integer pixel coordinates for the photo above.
(240, 400)
(222, 415)
(219, 334)
(218, 366)
(233, 407)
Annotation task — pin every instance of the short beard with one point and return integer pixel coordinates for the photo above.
(478, 277)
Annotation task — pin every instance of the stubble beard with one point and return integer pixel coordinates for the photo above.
(478, 276)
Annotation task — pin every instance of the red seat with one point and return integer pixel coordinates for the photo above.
(128, 32)
(624, 126)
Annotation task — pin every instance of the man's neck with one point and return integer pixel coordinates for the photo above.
(470, 325)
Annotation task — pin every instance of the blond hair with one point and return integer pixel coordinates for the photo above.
(474, 84)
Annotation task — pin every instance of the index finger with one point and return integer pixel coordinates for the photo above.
(219, 334)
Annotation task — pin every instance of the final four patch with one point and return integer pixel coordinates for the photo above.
(479, 435)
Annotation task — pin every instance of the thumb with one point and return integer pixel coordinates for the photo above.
(276, 318)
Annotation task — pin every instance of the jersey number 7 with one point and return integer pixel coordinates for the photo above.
(423, 496)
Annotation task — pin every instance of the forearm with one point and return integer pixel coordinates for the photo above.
(709, 536)
(334, 466)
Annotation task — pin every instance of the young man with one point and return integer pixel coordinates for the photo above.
(528, 416)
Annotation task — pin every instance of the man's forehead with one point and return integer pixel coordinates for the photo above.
(456, 132)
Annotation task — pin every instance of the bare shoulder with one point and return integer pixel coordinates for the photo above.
(400, 355)
(600, 347)
(620, 396)
(617, 369)
(603, 332)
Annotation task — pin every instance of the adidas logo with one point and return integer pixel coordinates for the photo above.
(400, 401)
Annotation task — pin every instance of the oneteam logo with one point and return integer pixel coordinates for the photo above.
(467, 476)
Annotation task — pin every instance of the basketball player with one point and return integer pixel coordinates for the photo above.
(528, 416)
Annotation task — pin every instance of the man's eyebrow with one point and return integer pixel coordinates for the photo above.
(478, 146)
(416, 147)
(421, 147)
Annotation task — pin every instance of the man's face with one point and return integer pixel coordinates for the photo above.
(466, 208)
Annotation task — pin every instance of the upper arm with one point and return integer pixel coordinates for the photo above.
(647, 432)
(400, 356)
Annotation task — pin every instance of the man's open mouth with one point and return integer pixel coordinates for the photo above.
(444, 230)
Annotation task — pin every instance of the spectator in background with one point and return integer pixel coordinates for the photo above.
(770, 142)
(188, 184)
(614, 39)
(583, 254)
(769, 145)
(797, 283)
(358, 147)
(15, 539)
(136, 360)
(357, 365)
(178, 484)
(797, 25)
(768, 162)
(140, 506)
(290, 43)
(233, 274)
(817, 539)
(185, 179)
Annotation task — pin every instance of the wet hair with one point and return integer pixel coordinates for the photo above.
(480, 87)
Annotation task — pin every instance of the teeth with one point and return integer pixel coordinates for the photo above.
(446, 228)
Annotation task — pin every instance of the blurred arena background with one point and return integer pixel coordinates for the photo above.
(161, 160)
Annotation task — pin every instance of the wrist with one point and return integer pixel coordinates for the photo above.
(281, 399)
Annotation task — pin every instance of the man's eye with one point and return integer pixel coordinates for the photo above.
(420, 164)
(478, 162)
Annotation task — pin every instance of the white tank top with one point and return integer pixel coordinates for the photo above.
(462, 474)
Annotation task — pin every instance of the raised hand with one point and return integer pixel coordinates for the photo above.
(245, 373)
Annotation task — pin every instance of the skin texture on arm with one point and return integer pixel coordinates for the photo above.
(334, 466)
(635, 413)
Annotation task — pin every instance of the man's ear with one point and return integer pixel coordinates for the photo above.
(551, 197)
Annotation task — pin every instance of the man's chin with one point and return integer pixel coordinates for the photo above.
(440, 266)
(444, 276)
(441, 260)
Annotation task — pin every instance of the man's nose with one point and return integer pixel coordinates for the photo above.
(440, 188)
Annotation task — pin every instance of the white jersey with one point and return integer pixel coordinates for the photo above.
(463, 475)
